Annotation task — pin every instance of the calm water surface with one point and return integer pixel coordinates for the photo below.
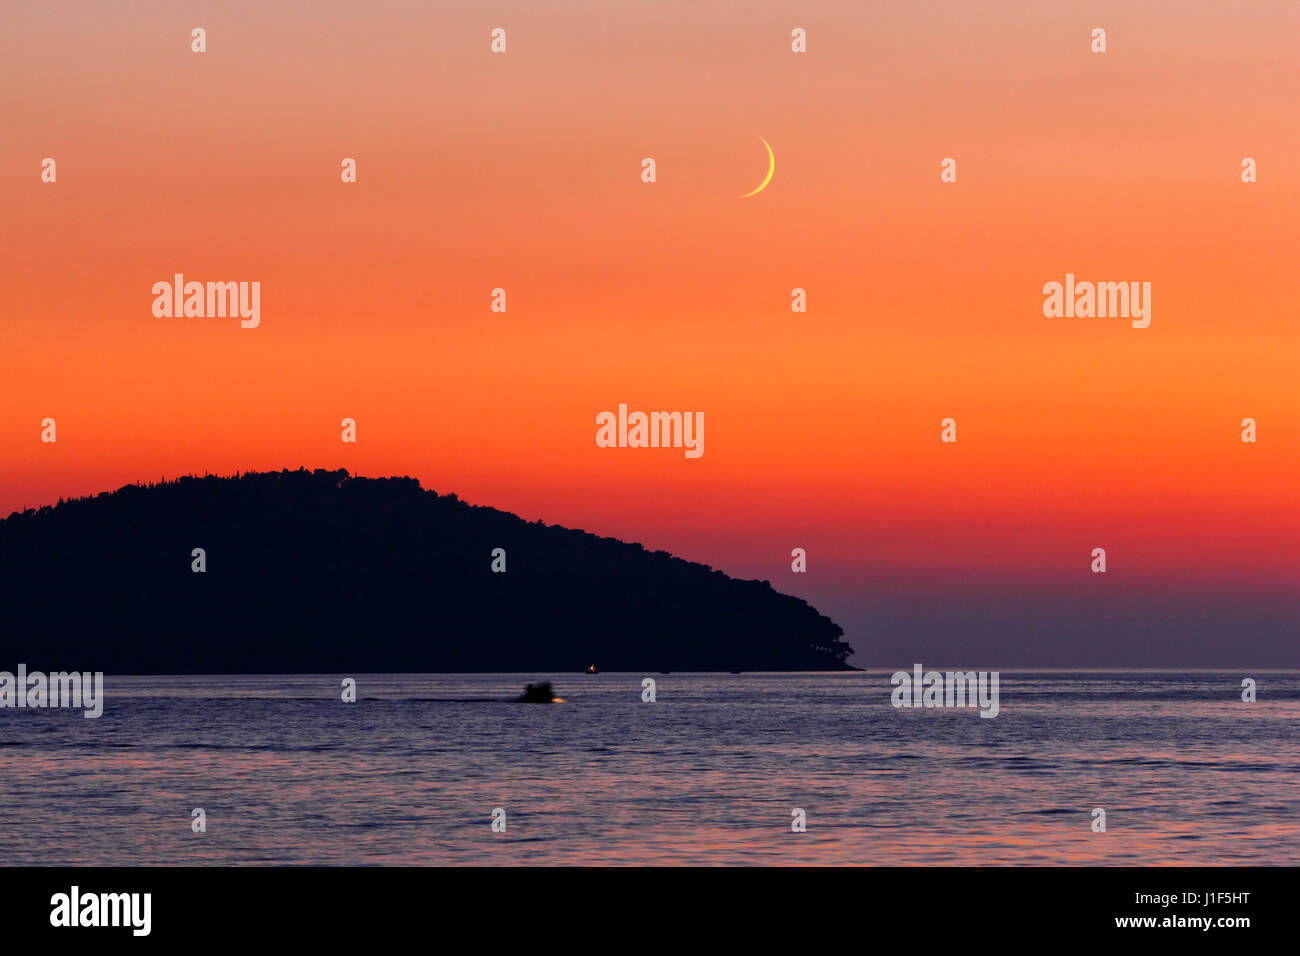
(410, 774)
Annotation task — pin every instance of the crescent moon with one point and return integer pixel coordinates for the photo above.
(771, 168)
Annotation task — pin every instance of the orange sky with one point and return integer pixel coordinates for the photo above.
(522, 171)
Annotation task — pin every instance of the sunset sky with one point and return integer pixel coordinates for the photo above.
(522, 171)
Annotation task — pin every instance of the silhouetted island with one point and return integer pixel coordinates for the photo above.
(320, 572)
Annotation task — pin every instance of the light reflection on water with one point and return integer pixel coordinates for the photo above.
(287, 773)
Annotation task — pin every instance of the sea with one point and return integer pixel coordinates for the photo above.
(450, 769)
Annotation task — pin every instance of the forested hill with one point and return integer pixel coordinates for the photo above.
(320, 572)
